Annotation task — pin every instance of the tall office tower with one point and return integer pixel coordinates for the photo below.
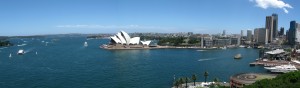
(249, 35)
(262, 35)
(224, 33)
(297, 33)
(256, 33)
(281, 32)
(269, 28)
(275, 25)
(292, 33)
(287, 35)
(242, 33)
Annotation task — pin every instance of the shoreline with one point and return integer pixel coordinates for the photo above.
(140, 47)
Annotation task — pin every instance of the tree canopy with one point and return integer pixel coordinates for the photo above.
(288, 80)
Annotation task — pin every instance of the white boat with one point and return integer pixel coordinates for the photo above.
(85, 44)
(21, 52)
(282, 68)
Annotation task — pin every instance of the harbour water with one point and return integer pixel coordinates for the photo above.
(64, 62)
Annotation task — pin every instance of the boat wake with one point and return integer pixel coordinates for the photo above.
(28, 50)
(22, 45)
(206, 59)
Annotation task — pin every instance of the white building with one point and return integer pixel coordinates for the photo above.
(123, 38)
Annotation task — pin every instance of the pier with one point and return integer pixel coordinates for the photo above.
(273, 63)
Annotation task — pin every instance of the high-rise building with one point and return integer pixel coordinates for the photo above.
(249, 35)
(224, 33)
(256, 33)
(275, 25)
(281, 32)
(297, 33)
(262, 35)
(287, 35)
(292, 33)
(269, 27)
(242, 33)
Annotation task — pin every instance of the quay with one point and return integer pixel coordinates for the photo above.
(273, 63)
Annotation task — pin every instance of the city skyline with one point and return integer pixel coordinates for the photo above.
(34, 17)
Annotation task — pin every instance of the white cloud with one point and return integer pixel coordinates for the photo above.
(265, 4)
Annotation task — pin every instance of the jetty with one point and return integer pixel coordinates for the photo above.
(274, 63)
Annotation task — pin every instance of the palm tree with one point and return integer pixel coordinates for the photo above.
(181, 81)
(194, 78)
(186, 81)
(205, 75)
(216, 80)
(176, 83)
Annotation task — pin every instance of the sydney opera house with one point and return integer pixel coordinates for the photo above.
(122, 40)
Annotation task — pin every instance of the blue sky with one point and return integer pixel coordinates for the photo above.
(32, 17)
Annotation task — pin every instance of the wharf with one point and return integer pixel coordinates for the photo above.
(274, 63)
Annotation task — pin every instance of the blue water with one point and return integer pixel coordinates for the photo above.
(65, 63)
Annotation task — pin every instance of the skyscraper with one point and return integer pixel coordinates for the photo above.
(292, 33)
(224, 33)
(269, 28)
(262, 35)
(242, 33)
(249, 35)
(256, 33)
(275, 25)
(281, 32)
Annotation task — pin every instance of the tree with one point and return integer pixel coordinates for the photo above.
(181, 81)
(288, 80)
(194, 78)
(205, 75)
(186, 81)
(216, 80)
(176, 83)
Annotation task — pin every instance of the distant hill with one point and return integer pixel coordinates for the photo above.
(288, 80)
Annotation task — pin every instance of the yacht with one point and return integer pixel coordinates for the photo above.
(282, 68)
(21, 52)
(85, 44)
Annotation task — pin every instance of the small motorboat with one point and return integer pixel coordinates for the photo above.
(21, 52)
(238, 56)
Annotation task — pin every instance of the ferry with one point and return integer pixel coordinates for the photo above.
(282, 68)
(238, 56)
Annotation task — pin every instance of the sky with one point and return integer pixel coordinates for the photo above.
(36, 17)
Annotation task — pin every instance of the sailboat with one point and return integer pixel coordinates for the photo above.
(85, 44)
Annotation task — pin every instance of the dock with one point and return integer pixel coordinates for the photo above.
(274, 63)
